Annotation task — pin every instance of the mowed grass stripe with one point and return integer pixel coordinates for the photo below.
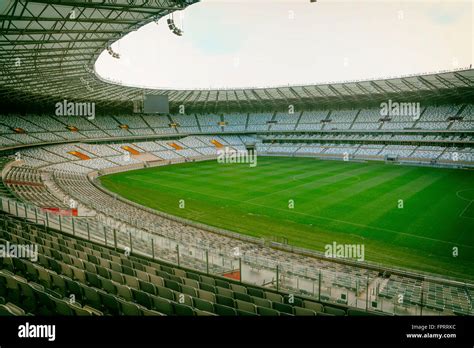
(334, 201)
(347, 197)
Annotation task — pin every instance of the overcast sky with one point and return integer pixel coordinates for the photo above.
(260, 43)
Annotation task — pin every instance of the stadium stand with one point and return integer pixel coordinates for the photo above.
(434, 118)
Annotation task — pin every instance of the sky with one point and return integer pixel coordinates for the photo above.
(264, 43)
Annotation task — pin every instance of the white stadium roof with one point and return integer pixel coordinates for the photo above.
(48, 49)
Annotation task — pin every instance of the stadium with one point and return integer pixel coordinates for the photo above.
(351, 198)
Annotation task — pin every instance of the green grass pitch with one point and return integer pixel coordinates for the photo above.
(345, 202)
